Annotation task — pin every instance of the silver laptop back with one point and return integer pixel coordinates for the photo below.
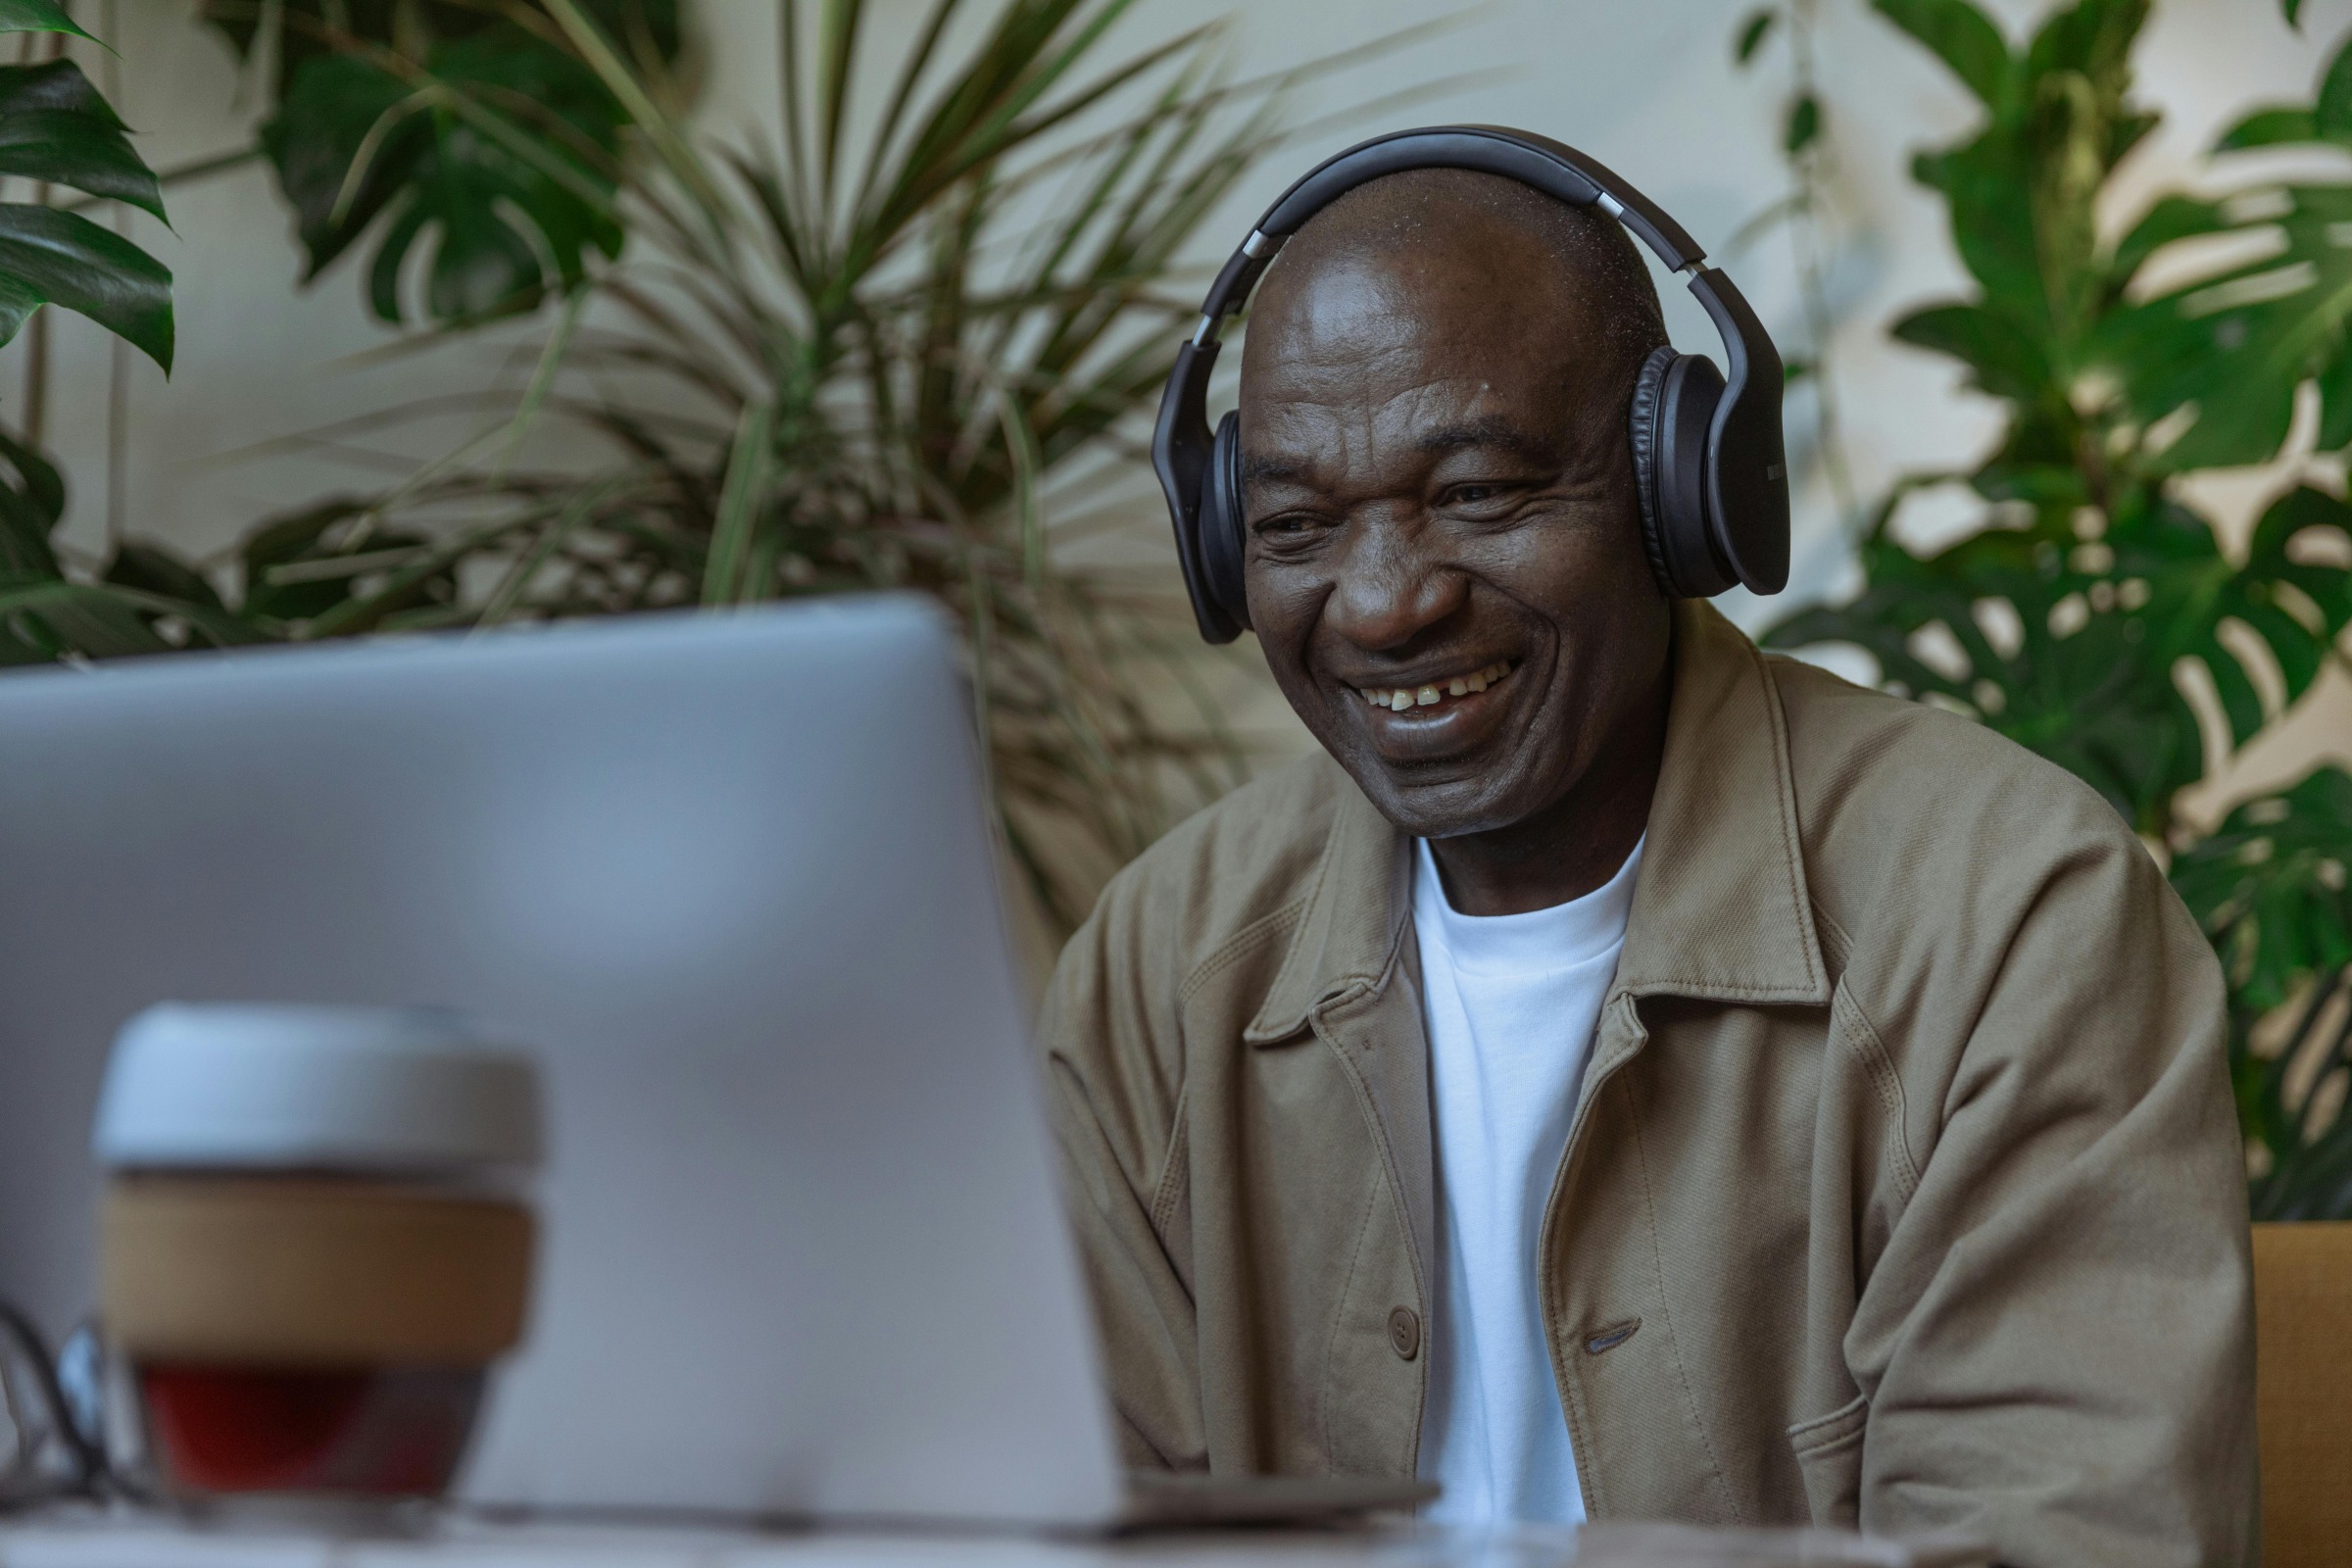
(732, 880)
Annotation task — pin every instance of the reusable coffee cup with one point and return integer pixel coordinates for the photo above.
(314, 1240)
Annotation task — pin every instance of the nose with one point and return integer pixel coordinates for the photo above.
(1391, 588)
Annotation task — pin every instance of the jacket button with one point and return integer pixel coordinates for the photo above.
(1404, 1333)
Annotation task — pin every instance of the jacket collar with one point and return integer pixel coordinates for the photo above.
(1721, 910)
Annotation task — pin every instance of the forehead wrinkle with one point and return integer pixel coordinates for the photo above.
(1425, 418)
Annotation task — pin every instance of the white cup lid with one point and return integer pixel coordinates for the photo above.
(249, 1086)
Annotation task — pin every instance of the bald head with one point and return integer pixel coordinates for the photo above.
(1483, 233)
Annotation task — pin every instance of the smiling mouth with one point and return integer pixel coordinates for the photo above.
(1432, 694)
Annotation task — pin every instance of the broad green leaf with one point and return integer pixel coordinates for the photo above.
(328, 533)
(2094, 689)
(1960, 35)
(2270, 888)
(152, 568)
(2293, 11)
(36, 481)
(2334, 384)
(54, 126)
(58, 258)
(2234, 345)
(307, 29)
(2091, 39)
(58, 618)
(1989, 187)
(505, 180)
(2270, 127)
(2170, 219)
(2007, 358)
(31, 500)
(2264, 886)
(1805, 125)
(2331, 110)
(39, 15)
(489, 191)
(55, 84)
(1752, 33)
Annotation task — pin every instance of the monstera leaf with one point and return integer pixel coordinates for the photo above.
(2069, 622)
(2228, 349)
(56, 128)
(32, 498)
(454, 131)
(2069, 646)
(2270, 888)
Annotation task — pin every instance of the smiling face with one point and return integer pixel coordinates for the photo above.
(1444, 562)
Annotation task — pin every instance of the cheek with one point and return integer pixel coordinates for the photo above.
(1581, 572)
(1283, 606)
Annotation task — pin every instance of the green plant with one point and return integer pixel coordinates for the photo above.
(56, 130)
(2085, 616)
(467, 132)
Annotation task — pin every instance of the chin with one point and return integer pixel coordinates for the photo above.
(1443, 808)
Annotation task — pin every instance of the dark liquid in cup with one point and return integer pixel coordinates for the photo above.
(393, 1432)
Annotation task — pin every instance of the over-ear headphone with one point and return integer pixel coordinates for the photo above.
(1708, 454)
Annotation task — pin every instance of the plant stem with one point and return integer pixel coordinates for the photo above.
(1812, 270)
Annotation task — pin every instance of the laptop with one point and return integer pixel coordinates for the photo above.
(732, 880)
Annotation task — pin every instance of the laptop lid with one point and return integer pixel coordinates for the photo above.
(732, 880)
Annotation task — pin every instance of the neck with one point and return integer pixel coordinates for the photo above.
(1572, 846)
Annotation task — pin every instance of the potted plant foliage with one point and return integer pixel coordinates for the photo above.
(2095, 597)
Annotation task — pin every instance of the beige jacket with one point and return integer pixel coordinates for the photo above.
(1903, 1187)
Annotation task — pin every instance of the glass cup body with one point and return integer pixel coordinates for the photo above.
(297, 1333)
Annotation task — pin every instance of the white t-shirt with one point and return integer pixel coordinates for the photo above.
(1510, 1003)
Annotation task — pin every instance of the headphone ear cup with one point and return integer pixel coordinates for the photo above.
(1688, 389)
(1642, 424)
(1221, 539)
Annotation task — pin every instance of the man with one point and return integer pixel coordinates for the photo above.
(1630, 1076)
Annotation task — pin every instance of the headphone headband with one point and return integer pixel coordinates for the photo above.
(1743, 491)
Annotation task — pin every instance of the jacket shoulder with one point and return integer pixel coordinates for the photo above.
(1229, 877)
(1896, 799)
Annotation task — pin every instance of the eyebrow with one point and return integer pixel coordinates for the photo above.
(1261, 467)
(1492, 431)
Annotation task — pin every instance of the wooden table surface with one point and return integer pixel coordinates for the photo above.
(87, 1538)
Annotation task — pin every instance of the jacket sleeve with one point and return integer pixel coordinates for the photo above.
(1113, 1050)
(2056, 1341)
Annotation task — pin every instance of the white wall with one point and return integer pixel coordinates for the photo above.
(1647, 87)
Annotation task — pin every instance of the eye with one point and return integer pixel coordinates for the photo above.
(1477, 496)
(1285, 526)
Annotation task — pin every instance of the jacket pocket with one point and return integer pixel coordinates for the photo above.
(1829, 1455)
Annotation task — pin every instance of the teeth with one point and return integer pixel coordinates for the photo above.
(1399, 698)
